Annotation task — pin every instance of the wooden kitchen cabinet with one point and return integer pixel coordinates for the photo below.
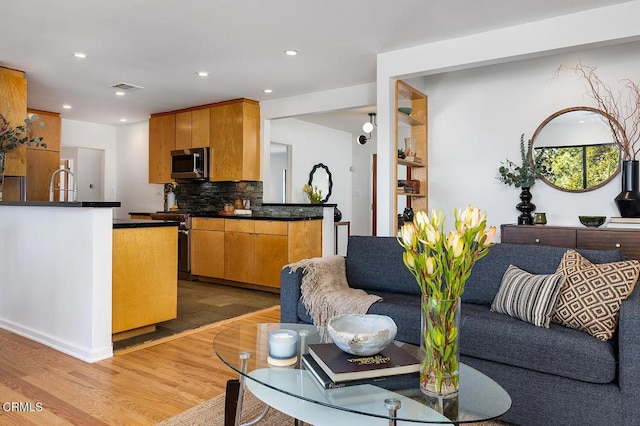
(272, 251)
(144, 276)
(239, 250)
(235, 141)
(40, 166)
(41, 162)
(625, 240)
(207, 247)
(162, 140)
(51, 131)
(13, 106)
(192, 129)
(251, 251)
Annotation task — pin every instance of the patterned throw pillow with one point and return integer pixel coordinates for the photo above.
(591, 297)
(528, 297)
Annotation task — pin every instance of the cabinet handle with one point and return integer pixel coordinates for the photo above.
(618, 245)
(537, 240)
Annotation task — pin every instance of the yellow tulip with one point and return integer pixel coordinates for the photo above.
(431, 265)
(455, 243)
(406, 234)
(489, 236)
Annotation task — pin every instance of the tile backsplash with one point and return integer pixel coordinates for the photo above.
(212, 196)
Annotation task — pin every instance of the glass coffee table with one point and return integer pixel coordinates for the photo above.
(295, 392)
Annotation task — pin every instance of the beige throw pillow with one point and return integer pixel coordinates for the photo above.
(592, 294)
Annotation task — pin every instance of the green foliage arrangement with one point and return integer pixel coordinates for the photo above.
(11, 137)
(531, 168)
(314, 194)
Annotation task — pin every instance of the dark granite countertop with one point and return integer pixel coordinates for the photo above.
(256, 216)
(141, 223)
(96, 204)
(297, 205)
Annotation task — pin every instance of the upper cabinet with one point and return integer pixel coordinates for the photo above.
(41, 162)
(231, 129)
(162, 140)
(192, 129)
(13, 106)
(235, 141)
(410, 135)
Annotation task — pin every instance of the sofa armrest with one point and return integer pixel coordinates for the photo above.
(290, 283)
(629, 356)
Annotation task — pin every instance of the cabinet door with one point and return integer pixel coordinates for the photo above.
(50, 133)
(271, 256)
(183, 130)
(162, 140)
(200, 120)
(239, 259)
(13, 99)
(305, 240)
(538, 235)
(40, 166)
(207, 253)
(627, 241)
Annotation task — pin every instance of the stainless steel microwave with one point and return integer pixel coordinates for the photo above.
(190, 163)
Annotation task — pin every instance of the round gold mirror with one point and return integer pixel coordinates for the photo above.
(579, 148)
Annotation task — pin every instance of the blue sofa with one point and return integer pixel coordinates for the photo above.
(555, 376)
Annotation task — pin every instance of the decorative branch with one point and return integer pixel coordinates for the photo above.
(622, 110)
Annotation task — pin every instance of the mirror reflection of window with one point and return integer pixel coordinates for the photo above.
(578, 148)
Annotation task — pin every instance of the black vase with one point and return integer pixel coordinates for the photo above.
(407, 215)
(526, 207)
(628, 201)
(337, 214)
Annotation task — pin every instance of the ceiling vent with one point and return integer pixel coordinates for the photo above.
(126, 87)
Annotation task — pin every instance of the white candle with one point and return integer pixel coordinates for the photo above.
(283, 344)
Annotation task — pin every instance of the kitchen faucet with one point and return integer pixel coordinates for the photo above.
(73, 191)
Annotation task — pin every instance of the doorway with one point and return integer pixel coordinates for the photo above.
(279, 173)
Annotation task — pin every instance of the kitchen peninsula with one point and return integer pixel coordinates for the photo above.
(57, 267)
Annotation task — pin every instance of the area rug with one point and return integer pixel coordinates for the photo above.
(211, 413)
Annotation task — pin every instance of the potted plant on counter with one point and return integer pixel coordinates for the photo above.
(524, 176)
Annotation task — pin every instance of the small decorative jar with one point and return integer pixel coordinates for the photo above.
(540, 219)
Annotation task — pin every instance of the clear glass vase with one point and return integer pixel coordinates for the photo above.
(439, 347)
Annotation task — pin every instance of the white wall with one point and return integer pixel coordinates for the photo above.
(477, 117)
(312, 144)
(362, 185)
(606, 26)
(81, 134)
(134, 190)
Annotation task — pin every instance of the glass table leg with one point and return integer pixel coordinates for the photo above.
(244, 357)
(392, 405)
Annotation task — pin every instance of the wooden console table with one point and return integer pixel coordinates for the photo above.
(625, 240)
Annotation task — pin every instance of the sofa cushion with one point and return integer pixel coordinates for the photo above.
(528, 297)
(557, 350)
(591, 298)
(486, 275)
(375, 263)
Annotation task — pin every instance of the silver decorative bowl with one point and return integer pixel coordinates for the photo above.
(362, 334)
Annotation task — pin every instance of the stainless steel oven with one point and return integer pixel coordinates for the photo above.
(184, 241)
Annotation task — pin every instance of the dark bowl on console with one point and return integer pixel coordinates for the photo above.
(592, 221)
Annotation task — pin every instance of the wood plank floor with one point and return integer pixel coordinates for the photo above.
(139, 387)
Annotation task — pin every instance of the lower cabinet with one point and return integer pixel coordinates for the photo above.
(251, 251)
(625, 240)
(144, 276)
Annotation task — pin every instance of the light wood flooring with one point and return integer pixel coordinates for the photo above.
(141, 386)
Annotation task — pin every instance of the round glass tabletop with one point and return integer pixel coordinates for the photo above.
(479, 397)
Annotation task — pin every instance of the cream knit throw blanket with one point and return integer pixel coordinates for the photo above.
(326, 293)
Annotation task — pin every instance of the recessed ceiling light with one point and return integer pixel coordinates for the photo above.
(203, 74)
(123, 120)
(66, 106)
(268, 91)
(119, 93)
(79, 55)
(291, 52)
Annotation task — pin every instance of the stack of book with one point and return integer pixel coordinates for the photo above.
(624, 222)
(393, 368)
